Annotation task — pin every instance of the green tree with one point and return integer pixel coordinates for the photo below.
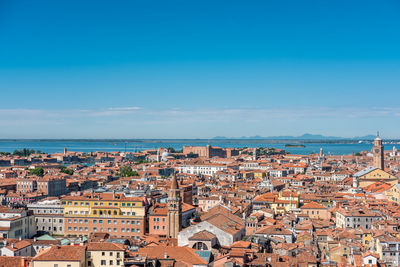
(37, 171)
(66, 170)
(140, 161)
(24, 152)
(126, 171)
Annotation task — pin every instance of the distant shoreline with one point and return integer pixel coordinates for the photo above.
(206, 141)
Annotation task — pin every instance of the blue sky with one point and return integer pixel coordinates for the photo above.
(198, 69)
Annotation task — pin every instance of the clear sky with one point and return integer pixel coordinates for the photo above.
(198, 69)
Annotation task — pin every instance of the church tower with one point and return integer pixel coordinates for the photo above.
(174, 209)
(378, 153)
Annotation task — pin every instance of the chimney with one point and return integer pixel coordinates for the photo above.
(34, 239)
(12, 245)
(20, 238)
(165, 255)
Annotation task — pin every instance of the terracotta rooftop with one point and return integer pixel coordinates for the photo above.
(61, 253)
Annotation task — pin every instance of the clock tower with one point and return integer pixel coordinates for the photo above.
(378, 152)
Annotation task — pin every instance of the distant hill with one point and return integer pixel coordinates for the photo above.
(306, 136)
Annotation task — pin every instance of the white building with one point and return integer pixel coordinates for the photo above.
(16, 223)
(204, 169)
(49, 216)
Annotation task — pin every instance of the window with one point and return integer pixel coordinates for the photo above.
(55, 265)
(111, 262)
(103, 262)
(111, 253)
(103, 253)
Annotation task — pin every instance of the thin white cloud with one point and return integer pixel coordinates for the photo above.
(125, 108)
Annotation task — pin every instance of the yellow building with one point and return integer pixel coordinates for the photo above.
(393, 194)
(336, 253)
(113, 213)
(281, 202)
(371, 175)
(287, 200)
(101, 254)
(367, 239)
(260, 174)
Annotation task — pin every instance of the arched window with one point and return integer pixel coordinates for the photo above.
(200, 246)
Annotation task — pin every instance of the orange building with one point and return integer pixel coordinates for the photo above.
(315, 210)
(158, 221)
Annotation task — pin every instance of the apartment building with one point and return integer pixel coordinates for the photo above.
(114, 213)
(49, 216)
(47, 186)
(104, 254)
(355, 217)
(16, 223)
(203, 169)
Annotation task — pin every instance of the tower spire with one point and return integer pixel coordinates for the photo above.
(174, 183)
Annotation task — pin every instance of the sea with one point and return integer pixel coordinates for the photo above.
(55, 146)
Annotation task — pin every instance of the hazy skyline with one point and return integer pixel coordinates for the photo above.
(186, 69)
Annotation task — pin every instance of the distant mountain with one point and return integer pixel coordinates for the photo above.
(220, 137)
(306, 136)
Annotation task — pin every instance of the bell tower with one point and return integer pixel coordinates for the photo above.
(174, 209)
(378, 152)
